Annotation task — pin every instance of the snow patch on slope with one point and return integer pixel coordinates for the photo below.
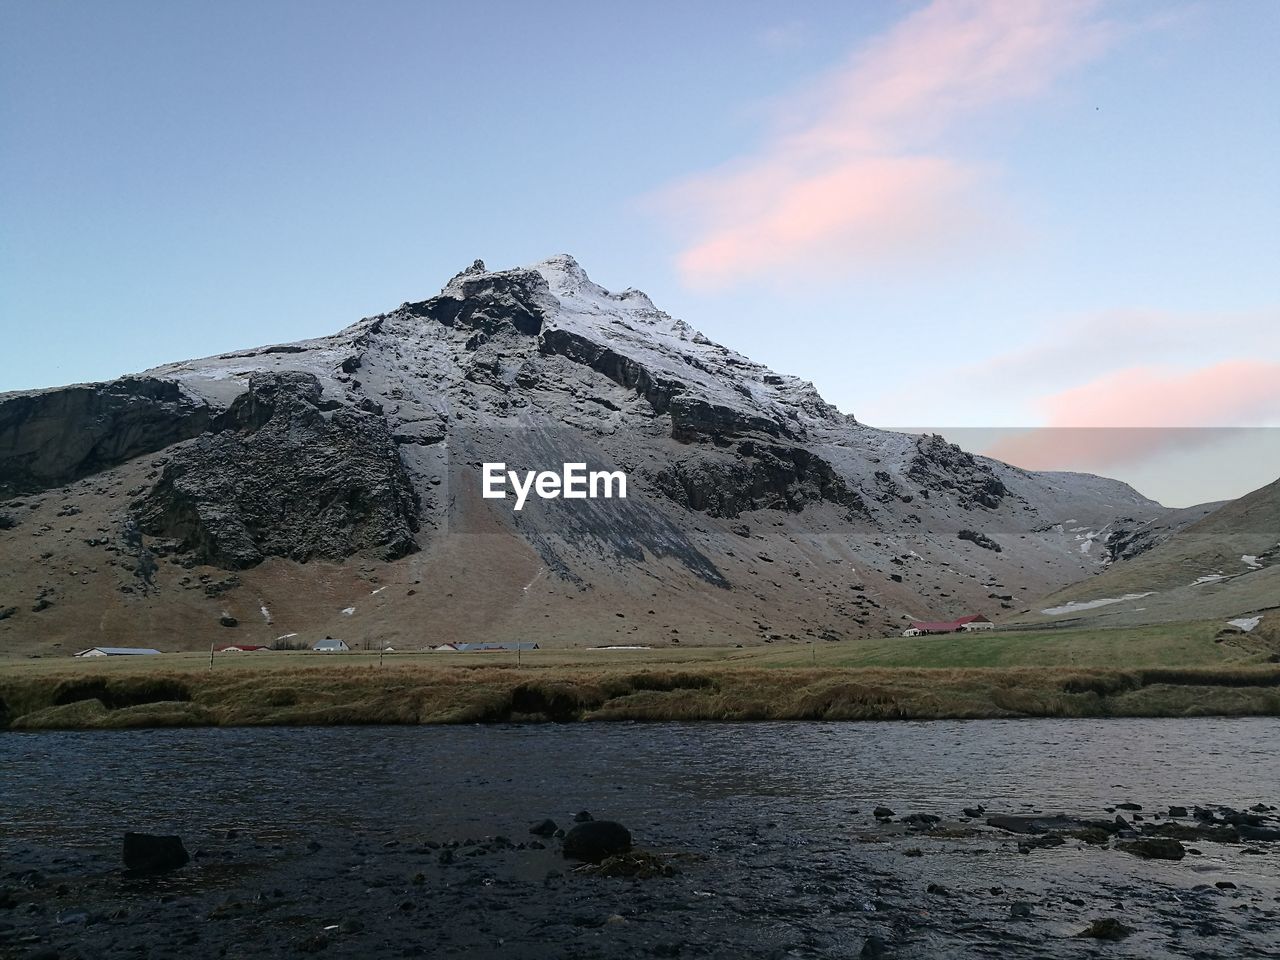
(1075, 606)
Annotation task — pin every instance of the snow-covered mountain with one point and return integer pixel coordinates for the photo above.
(333, 487)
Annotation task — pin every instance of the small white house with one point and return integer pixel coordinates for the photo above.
(980, 624)
(911, 632)
(330, 645)
(118, 652)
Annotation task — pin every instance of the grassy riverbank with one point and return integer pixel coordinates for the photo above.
(1169, 671)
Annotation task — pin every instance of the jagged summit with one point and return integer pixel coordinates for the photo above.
(292, 477)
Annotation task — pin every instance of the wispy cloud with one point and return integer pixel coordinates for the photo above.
(858, 173)
(1064, 360)
(1129, 416)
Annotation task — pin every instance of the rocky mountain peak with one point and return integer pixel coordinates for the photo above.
(764, 507)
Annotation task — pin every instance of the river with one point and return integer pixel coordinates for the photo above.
(767, 826)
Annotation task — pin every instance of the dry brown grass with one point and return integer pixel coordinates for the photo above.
(713, 691)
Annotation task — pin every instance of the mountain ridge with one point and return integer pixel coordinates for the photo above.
(346, 462)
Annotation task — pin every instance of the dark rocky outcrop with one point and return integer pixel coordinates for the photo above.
(490, 303)
(295, 480)
(941, 466)
(755, 476)
(697, 418)
(52, 437)
(658, 390)
(980, 539)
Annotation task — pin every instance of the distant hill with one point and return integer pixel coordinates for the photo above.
(1226, 565)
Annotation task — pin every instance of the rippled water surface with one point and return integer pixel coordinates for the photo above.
(89, 784)
(770, 823)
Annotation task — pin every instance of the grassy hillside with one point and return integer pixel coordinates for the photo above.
(1223, 566)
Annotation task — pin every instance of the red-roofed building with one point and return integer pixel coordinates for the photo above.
(963, 625)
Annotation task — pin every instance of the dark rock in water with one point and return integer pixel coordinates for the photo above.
(639, 866)
(1199, 831)
(1039, 841)
(1154, 848)
(1239, 818)
(921, 819)
(1021, 824)
(153, 853)
(882, 813)
(1092, 835)
(228, 621)
(596, 839)
(1258, 833)
(1128, 806)
(543, 828)
(1108, 928)
(582, 816)
(1020, 910)
(1177, 811)
(873, 948)
(974, 812)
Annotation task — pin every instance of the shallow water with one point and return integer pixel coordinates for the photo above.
(778, 813)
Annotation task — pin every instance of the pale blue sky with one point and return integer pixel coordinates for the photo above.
(180, 179)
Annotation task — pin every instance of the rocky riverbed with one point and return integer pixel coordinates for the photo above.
(372, 843)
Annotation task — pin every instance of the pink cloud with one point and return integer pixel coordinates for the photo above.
(1132, 415)
(856, 175)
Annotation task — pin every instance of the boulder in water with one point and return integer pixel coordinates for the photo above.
(153, 853)
(595, 840)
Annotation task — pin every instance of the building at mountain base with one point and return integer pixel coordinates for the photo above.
(489, 647)
(969, 624)
(118, 652)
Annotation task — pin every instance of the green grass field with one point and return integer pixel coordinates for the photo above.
(1167, 645)
(1175, 670)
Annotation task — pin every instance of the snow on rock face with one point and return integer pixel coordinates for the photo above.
(704, 385)
(1246, 623)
